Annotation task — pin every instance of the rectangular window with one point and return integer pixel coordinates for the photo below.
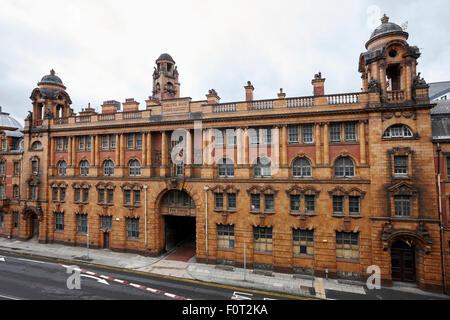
(292, 134)
(82, 221)
(448, 168)
(401, 165)
(81, 143)
(101, 195)
(225, 236)
(130, 141)
(267, 135)
(62, 194)
(133, 228)
(254, 136)
(106, 222)
(104, 142)
(350, 131)
(138, 140)
(66, 143)
(310, 204)
(88, 143)
(218, 201)
(55, 194)
(127, 194)
(59, 144)
(347, 245)
(59, 221)
(4, 148)
(231, 137)
(16, 220)
(354, 204)
(137, 197)
(77, 196)
(256, 203)
(85, 195)
(295, 203)
(110, 196)
(402, 206)
(303, 242)
(218, 137)
(2, 191)
(262, 239)
(268, 202)
(34, 167)
(2, 219)
(338, 205)
(335, 132)
(307, 133)
(16, 192)
(231, 201)
(112, 142)
(16, 169)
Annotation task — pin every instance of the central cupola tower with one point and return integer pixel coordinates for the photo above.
(165, 79)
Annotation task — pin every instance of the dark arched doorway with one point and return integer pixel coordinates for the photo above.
(34, 226)
(178, 211)
(403, 259)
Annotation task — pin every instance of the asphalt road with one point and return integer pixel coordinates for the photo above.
(31, 278)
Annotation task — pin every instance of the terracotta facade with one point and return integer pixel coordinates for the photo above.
(374, 186)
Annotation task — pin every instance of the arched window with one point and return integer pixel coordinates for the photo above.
(344, 167)
(262, 168)
(108, 168)
(398, 131)
(84, 168)
(301, 168)
(226, 167)
(37, 146)
(62, 166)
(134, 168)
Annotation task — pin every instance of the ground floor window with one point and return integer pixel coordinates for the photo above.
(225, 236)
(16, 219)
(2, 219)
(347, 245)
(106, 222)
(262, 239)
(59, 221)
(133, 228)
(82, 223)
(303, 242)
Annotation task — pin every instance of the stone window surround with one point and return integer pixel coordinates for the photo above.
(401, 151)
(262, 191)
(347, 193)
(303, 192)
(230, 189)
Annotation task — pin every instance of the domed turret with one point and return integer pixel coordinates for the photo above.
(51, 79)
(165, 79)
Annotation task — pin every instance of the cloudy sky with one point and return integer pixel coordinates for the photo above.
(106, 49)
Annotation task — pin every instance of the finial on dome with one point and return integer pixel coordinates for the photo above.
(385, 19)
(52, 72)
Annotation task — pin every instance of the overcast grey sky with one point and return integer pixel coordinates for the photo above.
(106, 49)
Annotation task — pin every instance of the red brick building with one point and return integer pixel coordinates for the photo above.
(330, 182)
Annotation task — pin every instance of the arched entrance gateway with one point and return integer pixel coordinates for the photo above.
(32, 217)
(178, 210)
(408, 250)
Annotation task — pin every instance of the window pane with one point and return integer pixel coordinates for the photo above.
(350, 131)
(307, 133)
(293, 134)
(335, 132)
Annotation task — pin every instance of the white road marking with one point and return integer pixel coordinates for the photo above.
(9, 297)
(92, 277)
(35, 261)
(2, 258)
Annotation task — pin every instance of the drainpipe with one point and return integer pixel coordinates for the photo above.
(145, 215)
(206, 188)
(441, 227)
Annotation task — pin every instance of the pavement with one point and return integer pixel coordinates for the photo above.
(181, 263)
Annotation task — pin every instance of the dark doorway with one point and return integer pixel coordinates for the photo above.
(403, 261)
(178, 229)
(34, 226)
(106, 240)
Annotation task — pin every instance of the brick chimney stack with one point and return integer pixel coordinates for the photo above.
(249, 91)
(212, 97)
(319, 85)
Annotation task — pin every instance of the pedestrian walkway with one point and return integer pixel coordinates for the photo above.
(181, 263)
